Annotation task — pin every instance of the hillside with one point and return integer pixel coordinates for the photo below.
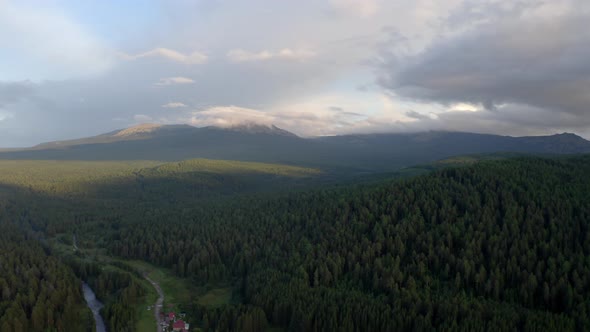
(108, 179)
(358, 153)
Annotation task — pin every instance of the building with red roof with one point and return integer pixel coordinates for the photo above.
(180, 326)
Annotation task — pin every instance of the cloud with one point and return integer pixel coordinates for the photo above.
(533, 55)
(318, 116)
(505, 66)
(361, 8)
(239, 55)
(229, 116)
(508, 119)
(194, 58)
(312, 117)
(174, 81)
(174, 105)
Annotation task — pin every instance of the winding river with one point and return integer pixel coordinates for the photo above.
(95, 305)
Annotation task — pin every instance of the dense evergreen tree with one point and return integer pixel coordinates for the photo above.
(501, 245)
(38, 292)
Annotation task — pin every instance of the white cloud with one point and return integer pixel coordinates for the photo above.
(319, 115)
(194, 58)
(361, 8)
(465, 107)
(239, 55)
(175, 104)
(310, 121)
(228, 116)
(175, 80)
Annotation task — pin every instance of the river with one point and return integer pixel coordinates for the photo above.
(95, 305)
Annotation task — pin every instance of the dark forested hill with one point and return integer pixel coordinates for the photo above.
(378, 152)
(499, 245)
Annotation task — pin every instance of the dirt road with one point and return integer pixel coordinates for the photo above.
(159, 302)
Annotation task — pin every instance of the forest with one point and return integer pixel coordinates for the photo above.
(39, 292)
(492, 245)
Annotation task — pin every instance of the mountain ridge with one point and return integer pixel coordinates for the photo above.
(262, 143)
(145, 130)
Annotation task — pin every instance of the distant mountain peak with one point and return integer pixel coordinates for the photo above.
(139, 129)
(147, 128)
(569, 135)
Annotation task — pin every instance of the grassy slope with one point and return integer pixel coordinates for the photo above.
(176, 290)
(72, 176)
(228, 167)
(56, 177)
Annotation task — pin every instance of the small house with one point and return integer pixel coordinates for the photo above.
(180, 326)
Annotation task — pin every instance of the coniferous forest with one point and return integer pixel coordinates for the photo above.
(39, 293)
(495, 245)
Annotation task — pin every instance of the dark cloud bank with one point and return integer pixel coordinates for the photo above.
(528, 68)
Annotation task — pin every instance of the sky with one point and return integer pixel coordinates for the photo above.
(72, 69)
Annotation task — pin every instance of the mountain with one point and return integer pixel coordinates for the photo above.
(142, 131)
(253, 142)
(454, 143)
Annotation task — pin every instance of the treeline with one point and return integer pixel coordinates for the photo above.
(37, 291)
(496, 246)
